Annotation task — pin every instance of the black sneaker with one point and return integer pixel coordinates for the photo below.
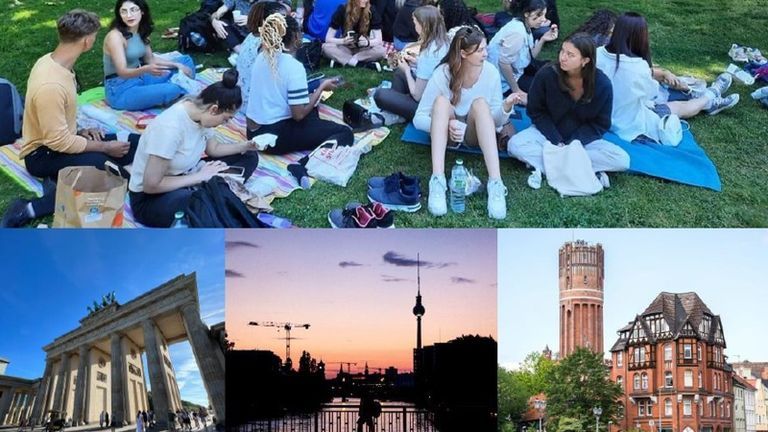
(357, 217)
(383, 217)
(17, 214)
(372, 65)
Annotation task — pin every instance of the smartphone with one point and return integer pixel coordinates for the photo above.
(234, 170)
(313, 81)
(169, 68)
(351, 33)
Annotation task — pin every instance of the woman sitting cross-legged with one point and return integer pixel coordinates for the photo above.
(462, 102)
(354, 37)
(134, 78)
(280, 104)
(637, 106)
(568, 101)
(168, 164)
(403, 98)
(513, 50)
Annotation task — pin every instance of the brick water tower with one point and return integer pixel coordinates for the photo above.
(581, 297)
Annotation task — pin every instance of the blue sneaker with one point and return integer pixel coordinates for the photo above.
(399, 199)
(409, 184)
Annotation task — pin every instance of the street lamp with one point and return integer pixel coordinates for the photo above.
(539, 404)
(597, 411)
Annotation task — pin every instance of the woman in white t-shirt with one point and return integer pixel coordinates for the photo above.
(281, 104)
(168, 160)
(408, 85)
(462, 102)
(512, 50)
(638, 105)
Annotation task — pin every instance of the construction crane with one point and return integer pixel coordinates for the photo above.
(287, 326)
(342, 363)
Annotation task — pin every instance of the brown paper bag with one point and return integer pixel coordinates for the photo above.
(87, 197)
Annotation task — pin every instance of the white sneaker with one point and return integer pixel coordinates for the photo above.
(723, 103)
(604, 180)
(436, 203)
(534, 180)
(497, 201)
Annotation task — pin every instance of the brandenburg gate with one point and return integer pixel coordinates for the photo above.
(98, 366)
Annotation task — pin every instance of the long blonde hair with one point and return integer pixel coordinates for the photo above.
(353, 14)
(432, 27)
(272, 32)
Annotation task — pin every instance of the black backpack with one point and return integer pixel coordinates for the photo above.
(214, 205)
(310, 54)
(11, 112)
(199, 22)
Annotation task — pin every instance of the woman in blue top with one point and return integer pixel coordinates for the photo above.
(134, 78)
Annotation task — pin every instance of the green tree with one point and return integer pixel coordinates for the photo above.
(578, 383)
(569, 424)
(517, 386)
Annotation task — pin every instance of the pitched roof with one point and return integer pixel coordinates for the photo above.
(743, 382)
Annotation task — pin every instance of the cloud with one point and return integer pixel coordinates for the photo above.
(388, 278)
(237, 244)
(461, 280)
(399, 260)
(345, 264)
(233, 274)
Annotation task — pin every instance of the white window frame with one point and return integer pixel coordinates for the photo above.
(687, 407)
(688, 378)
(668, 407)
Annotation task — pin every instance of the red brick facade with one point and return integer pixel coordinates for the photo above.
(581, 297)
(671, 365)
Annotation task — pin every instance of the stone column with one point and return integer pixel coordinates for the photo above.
(38, 410)
(209, 357)
(156, 372)
(77, 416)
(117, 416)
(58, 396)
(5, 403)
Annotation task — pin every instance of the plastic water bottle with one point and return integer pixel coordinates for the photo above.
(178, 220)
(458, 187)
(197, 39)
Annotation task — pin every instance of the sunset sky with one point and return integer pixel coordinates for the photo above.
(357, 289)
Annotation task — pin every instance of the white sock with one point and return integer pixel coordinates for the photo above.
(30, 210)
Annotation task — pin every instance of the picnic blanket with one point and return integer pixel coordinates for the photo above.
(687, 163)
(274, 166)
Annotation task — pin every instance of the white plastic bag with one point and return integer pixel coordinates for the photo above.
(670, 130)
(569, 169)
(333, 163)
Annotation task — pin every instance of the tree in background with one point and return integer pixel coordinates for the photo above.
(578, 383)
(517, 386)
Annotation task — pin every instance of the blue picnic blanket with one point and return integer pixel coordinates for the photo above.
(687, 163)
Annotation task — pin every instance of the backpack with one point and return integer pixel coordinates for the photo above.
(310, 54)
(11, 112)
(199, 22)
(214, 205)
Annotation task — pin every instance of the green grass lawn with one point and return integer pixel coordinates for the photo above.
(688, 36)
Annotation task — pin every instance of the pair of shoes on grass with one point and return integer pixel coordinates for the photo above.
(356, 215)
(397, 191)
(438, 205)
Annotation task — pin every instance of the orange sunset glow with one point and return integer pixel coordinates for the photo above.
(357, 290)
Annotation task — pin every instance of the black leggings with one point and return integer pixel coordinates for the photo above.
(397, 99)
(46, 163)
(158, 210)
(306, 134)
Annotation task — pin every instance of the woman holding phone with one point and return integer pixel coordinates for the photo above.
(168, 164)
(462, 103)
(134, 78)
(354, 37)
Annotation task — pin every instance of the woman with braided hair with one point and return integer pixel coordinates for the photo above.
(281, 104)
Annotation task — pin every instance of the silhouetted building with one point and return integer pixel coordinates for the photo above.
(671, 365)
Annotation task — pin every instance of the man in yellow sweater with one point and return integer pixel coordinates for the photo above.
(51, 140)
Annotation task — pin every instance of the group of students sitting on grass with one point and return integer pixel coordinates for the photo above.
(456, 85)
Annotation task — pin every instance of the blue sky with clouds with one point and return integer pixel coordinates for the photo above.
(725, 267)
(51, 276)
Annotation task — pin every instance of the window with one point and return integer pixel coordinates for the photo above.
(701, 382)
(668, 379)
(639, 354)
(687, 351)
(686, 407)
(636, 382)
(668, 352)
(667, 407)
(620, 382)
(701, 409)
(620, 358)
(641, 409)
(688, 378)
(645, 381)
(698, 352)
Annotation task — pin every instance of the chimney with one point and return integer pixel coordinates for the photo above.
(3, 365)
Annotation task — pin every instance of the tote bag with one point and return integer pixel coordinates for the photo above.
(569, 170)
